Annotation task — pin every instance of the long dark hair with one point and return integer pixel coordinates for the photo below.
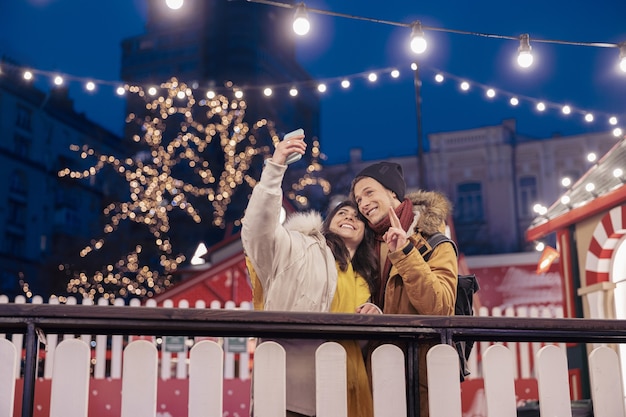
(364, 260)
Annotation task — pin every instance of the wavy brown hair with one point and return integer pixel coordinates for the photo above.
(364, 260)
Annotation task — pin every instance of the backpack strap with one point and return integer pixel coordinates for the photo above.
(433, 242)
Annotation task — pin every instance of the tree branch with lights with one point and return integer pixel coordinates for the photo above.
(188, 153)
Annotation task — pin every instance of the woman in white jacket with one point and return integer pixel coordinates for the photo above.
(313, 266)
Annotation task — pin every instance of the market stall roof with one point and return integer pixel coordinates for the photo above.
(602, 187)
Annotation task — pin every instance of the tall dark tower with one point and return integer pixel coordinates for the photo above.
(211, 44)
(208, 43)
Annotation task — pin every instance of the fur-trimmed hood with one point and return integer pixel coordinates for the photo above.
(433, 208)
(308, 223)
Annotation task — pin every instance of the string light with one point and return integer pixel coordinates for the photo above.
(322, 86)
(301, 24)
(524, 56)
(418, 42)
(524, 48)
(174, 4)
(566, 182)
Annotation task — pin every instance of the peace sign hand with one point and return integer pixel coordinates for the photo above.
(395, 237)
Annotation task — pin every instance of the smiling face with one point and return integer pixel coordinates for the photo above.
(373, 199)
(347, 225)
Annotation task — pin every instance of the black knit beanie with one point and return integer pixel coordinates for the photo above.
(389, 174)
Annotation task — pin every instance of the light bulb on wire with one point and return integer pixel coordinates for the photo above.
(418, 42)
(301, 24)
(524, 56)
(174, 4)
(622, 56)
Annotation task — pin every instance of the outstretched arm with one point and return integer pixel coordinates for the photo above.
(261, 228)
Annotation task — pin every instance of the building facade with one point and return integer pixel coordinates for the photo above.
(44, 219)
(494, 176)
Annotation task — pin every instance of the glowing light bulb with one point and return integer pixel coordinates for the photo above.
(566, 181)
(491, 93)
(622, 56)
(612, 120)
(439, 78)
(395, 73)
(418, 42)
(617, 132)
(267, 92)
(589, 117)
(120, 91)
(514, 101)
(541, 106)
(321, 88)
(524, 56)
(174, 4)
(465, 86)
(372, 77)
(345, 83)
(293, 92)
(566, 109)
(301, 24)
(58, 80)
(90, 86)
(28, 75)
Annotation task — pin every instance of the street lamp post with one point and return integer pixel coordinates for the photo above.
(420, 145)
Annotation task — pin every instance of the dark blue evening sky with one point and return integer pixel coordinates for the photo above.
(82, 38)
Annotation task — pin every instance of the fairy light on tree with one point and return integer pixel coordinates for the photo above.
(174, 171)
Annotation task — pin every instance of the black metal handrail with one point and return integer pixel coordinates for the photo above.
(32, 319)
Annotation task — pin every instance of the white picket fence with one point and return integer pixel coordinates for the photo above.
(69, 390)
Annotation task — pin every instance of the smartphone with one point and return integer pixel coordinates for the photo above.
(294, 156)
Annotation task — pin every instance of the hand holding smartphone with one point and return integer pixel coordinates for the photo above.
(294, 156)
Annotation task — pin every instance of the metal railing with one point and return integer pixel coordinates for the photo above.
(36, 320)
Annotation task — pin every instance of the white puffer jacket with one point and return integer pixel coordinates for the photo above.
(287, 258)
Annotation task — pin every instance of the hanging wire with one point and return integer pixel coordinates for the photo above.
(433, 28)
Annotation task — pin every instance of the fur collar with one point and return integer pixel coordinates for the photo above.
(308, 223)
(432, 209)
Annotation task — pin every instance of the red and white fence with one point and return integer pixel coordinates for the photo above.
(70, 381)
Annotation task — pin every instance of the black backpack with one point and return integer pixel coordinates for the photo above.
(467, 286)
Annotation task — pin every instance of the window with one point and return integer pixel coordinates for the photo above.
(21, 145)
(469, 203)
(527, 195)
(17, 183)
(16, 213)
(14, 244)
(24, 116)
